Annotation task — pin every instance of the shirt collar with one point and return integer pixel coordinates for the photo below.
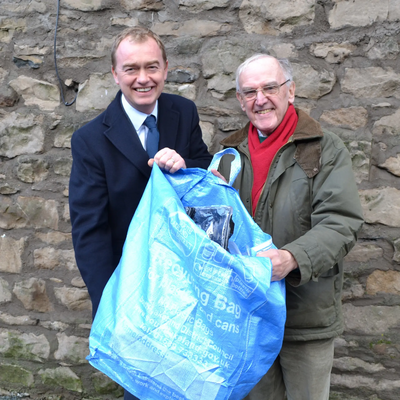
(137, 118)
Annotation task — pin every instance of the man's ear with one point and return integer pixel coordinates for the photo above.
(239, 97)
(166, 70)
(292, 89)
(115, 75)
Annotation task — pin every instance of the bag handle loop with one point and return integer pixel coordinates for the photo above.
(235, 165)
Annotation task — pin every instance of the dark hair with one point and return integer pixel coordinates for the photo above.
(136, 34)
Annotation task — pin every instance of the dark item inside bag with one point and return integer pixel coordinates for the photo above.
(216, 221)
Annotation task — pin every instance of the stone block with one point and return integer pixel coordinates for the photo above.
(73, 298)
(312, 83)
(370, 320)
(105, 386)
(371, 82)
(275, 16)
(20, 134)
(383, 282)
(196, 28)
(14, 376)
(351, 117)
(37, 93)
(334, 53)
(96, 93)
(32, 169)
(11, 254)
(32, 294)
(5, 293)
(72, 349)
(51, 258)
(197, 6)
(381, 206)
(62, 377)
(24, 346)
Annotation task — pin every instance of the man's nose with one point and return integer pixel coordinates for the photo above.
(260, 98)
(142, 77)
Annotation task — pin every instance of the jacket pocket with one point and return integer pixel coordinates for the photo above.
(313, 305)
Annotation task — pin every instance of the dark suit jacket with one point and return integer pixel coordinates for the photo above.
(108, 177)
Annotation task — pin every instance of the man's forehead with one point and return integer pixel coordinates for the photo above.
(265, 71)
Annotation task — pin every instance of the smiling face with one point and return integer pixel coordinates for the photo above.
(265, 113)
(140, 71)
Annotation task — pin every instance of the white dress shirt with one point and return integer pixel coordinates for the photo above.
(137, 118)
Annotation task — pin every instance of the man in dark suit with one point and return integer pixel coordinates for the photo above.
(111, 166)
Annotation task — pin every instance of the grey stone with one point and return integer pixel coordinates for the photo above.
(197, 28)
(334, 53)
(62, 166)
(355, 364)
(388, 125)
(37, 93)
(51, 258)
(74, 299)
(96, 93)
(202, 5)
(72, 349)
(352, 117)
(5, 293)
(32, 294)
(312, 83)
(17, 345)
(20, 134)
(32, 169)
(371, 82)
(370, 320)
(381, 206)
(348, 12)
(11, 254)
(13, 376)
(28, 211)
(275, 16)
(104, 385)
(61, 377)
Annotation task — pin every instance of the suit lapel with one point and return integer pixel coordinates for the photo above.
(168, 122)
(123, 136)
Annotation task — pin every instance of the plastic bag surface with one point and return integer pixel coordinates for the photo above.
(182, 318)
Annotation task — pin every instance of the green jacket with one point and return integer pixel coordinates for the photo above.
(310, 206)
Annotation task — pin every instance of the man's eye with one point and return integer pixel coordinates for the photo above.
(250, 92)
(269, 89)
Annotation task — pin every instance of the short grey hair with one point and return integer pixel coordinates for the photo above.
(283, 62)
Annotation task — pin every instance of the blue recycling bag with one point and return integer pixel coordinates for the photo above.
(181, 318)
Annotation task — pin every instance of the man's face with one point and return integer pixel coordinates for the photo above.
(140, 71)
(265, 112)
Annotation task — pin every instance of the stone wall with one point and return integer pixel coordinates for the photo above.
(346, 61)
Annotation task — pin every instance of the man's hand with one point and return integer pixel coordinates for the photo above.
(168, 159)
(282, 262)
(218, 175)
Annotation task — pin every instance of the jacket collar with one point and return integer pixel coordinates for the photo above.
(306, 136)
(307, 128)
(123, 136)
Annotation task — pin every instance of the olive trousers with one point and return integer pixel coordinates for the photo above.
(301, 371)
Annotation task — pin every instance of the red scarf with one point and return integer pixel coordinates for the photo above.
(263, 153)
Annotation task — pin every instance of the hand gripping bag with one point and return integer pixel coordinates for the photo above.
(182, 318)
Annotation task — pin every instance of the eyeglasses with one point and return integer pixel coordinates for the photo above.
(269, 90)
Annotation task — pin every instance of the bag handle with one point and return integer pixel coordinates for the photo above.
(235, 165)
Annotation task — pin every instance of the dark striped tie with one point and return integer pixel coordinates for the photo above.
(152, 136)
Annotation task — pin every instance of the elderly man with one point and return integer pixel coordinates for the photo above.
(113, 154)
(297, 183)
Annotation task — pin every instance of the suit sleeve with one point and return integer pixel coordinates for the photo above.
(91, 235)
(198, 156)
